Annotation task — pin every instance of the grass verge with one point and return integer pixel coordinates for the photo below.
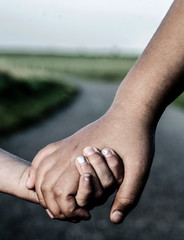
(26, 101)
(105, 68)
(179, 102)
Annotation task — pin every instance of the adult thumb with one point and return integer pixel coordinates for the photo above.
(128, 194)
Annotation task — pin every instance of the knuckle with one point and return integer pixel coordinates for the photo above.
(108, 182)
(96, 159)
(98, 194)
(114, 163)
(50, 146)
(70, 211)
(71, 204)
(127, 204)
(46, 150)
(81, 202)
(42, 202)
(55, 212)
(45, 188)
(40, 153)
(58, 192)
(83, 198)
(84, 194)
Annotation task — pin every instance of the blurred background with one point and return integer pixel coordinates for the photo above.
(61, 63)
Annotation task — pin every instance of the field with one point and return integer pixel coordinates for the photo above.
(23, 102)
(180, 101)
(57, 68)
(107, 68)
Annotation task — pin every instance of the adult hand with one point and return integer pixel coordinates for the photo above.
(57, 180)
(129, 126)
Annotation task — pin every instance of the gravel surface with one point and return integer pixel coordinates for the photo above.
(160, 213)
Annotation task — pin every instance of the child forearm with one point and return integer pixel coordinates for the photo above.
(13, 176)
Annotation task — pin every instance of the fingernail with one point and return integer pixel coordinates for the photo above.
(49, 213)
(87, 177)
(90, 150)
(81, 160)
(117, 217)
(107, 152)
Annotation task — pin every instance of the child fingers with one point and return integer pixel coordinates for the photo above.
(85, 190)
(115, 164)
(100, 166)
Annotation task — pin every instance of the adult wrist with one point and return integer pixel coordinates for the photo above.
(130, 102)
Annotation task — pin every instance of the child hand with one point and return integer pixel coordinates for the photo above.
(21, 189)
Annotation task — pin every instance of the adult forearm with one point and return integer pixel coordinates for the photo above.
(157, 77)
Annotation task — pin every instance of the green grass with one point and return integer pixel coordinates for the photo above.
(107, 68)
(180, 101)
(96, 68)
(25, 101)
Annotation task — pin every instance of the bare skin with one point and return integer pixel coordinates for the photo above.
(128, 127)
(14, 174)
(100, 175)
(105, 170)
(13, 177)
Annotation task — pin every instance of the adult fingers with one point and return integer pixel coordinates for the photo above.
(114, 163)
(84, 167)
(100, 166)
(129, 192)
(85, 190)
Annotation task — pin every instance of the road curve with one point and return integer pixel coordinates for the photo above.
(160, 213)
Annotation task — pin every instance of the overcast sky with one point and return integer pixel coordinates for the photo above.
(80, 24)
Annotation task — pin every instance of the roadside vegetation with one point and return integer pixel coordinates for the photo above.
(180, 101)
(23, 102)
(25, 96)
(103, 68)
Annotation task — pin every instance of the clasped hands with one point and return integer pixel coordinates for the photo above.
(69, 191)
(70, 179)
